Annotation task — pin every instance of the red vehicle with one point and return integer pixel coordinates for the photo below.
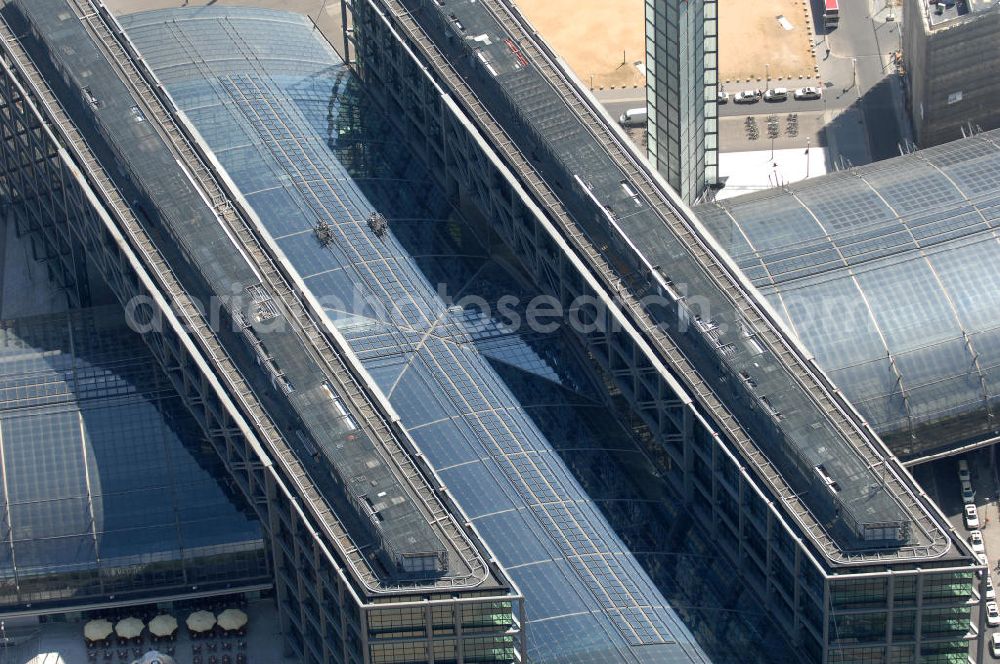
(831, 14)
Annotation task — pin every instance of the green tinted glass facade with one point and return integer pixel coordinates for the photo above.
(442, 632)
(886, 618)
(681, 86)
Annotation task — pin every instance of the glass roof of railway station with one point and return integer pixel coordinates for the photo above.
(888, 274)
(773, 397)
(385, 510)
(287, 124)
(108, 486)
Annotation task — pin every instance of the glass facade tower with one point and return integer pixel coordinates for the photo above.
(681, 88)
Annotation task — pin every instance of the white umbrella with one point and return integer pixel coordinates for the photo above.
(97, 630)
(163, 625)
(129, 628)
(232, 619)
(153, 657)
(201, 621)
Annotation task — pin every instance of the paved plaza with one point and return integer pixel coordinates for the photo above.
(62, 642)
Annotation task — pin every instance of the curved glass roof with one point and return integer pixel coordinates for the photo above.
(488, 406)
(107, 486)
(887, 273)
(357, 480)
(851, 505)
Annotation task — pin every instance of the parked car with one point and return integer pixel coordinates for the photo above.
(971, 516)
(991, 592)
(968, 495)
(976, 541)
(746, 97)
(992, 614)
(776, 94)
(984, 561)
(995, 644)
(963, 471)
(808, 93)
(723, 97)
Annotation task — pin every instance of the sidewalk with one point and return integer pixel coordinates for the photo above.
(607, 95)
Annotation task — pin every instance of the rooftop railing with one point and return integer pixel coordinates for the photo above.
(831, 404)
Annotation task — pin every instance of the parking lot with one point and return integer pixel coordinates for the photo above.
(941, 481)
(767, 128)
(777, 125)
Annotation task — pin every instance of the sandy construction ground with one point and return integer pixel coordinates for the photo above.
(591, 36)
(750, 37)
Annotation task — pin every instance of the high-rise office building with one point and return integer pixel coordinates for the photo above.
(948, 95)
(681, 92)
(823, 526)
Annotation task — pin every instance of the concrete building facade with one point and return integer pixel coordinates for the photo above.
(818, 520)
(681, 93)
(852, 586)
(952, 74)
(72, 136)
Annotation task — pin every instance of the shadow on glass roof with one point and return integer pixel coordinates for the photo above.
(109, 488)
(803, 445)
(353, 472)
(286, 123)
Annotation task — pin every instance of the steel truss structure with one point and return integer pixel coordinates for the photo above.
(334, 605)
(834, 604)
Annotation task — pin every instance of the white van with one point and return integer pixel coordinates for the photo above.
(633, 117)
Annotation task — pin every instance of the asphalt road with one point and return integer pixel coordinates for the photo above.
(617, 106)
(861, 107)
(858, 72)
(940, 480)
(762, 107)
(861, 96)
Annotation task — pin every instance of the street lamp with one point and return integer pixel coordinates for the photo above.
(807, 157)
(767, 77)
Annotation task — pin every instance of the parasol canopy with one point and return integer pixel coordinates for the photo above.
(201, 621)
(163, 625)
(129, 628)
(153, 657)
(97, 630)
(232, 619)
